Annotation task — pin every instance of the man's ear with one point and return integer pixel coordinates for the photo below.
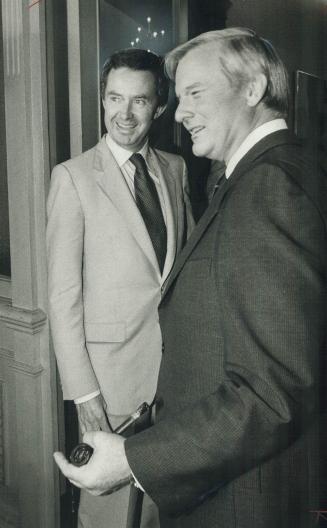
(160, 110)
(256, 89)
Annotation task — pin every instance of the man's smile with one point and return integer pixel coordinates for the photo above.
(125, 127)
(195, 130)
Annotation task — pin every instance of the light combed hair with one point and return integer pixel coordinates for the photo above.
(241, 54)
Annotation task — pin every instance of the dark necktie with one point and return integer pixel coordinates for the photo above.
(219, 183)
(215, 179)
(147, 200)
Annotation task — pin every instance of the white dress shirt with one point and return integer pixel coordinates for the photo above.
(252, 139)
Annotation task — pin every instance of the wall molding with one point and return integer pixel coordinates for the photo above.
(24, 368)
(2, 437)
(6, 354)
(5, 287)
(28, 372)
(12, 29)
(21, 319)
(19, 366)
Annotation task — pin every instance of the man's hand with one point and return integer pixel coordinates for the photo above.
(92, 415)
(108, 468)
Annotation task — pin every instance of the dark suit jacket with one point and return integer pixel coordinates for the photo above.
(243, 318)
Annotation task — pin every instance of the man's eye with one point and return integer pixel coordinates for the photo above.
(114, 98)
(139, 102)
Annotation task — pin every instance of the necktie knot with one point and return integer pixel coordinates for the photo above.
(138, 161)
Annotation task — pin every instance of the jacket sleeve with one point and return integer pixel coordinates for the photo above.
(269, 271)
(65, 233)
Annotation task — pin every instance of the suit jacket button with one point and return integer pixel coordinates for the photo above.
(163, 347)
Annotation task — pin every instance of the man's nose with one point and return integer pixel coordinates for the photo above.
(126, 109)
(182, 112)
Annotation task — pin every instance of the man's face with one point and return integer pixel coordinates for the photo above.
(130, 105)
(215, 114)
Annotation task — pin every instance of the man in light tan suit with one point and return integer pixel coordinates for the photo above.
(117, 216)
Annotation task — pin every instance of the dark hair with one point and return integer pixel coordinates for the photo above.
(138, 60)
(240, 54)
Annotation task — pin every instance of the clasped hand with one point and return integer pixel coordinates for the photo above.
(108, 469)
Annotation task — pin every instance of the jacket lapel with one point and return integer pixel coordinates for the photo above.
(272, 140)
(197, 234)
(112, 183)
(168, 188)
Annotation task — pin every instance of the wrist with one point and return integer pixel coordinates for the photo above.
(132, 479)
(86, 397)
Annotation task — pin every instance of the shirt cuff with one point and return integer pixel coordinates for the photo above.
(136, 482)
(87, 397)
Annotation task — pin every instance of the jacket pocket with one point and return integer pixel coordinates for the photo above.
(105, 332)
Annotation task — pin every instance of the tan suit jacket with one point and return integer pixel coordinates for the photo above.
(104, 279)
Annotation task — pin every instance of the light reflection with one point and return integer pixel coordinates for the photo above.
(144, 35)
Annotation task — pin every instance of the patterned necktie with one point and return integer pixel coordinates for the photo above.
(147, 200)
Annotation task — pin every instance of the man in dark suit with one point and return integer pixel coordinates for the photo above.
(243, 316)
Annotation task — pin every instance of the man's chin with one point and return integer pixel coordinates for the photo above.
(124, 138)
(129, 142)
(124, 141)
(198, 151)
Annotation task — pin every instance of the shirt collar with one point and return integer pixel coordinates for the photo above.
(121, 155)
(254, 137)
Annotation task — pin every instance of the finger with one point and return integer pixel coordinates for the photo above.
(91, 426)
(109, 492)
(64, 466)
(82, 427)
(81, 423)
(119, 486)
(74, 483)
(88, 438)
(104, 425)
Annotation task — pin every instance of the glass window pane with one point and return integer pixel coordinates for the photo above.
(124, 24)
